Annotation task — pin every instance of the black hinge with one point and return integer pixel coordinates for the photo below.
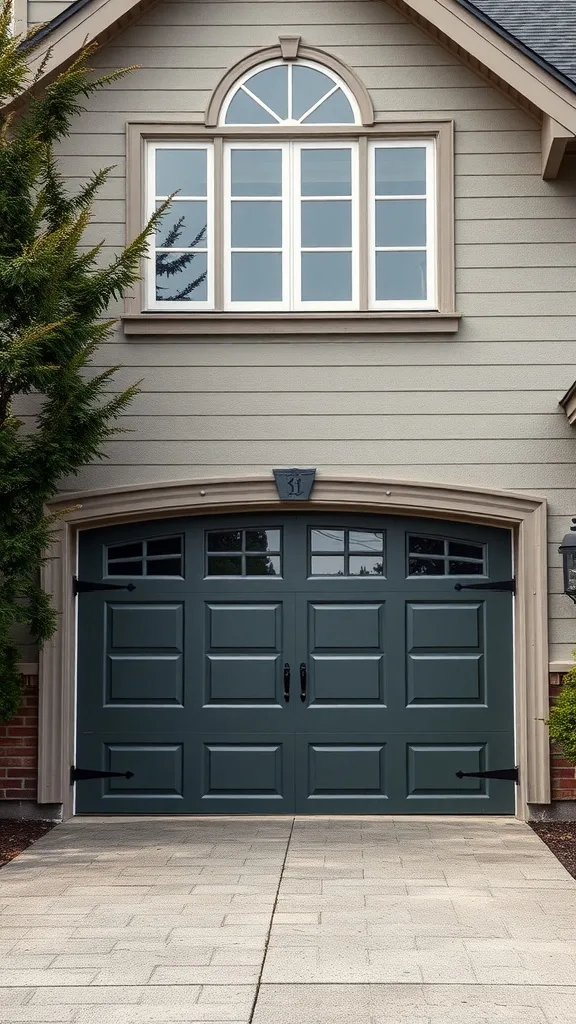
(86, 586)
(509, 774)
(80, 774)
(506, 585)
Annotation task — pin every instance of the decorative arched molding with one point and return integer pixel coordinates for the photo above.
(268, 53)
(525, 515)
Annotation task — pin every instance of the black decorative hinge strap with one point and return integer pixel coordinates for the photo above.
(509, 586)
(86, 586)
(508, 774)
(80, 774)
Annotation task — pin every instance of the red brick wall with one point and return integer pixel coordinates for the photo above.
(563, 774)
(19, 747)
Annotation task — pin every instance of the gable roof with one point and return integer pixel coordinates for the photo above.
(521, 46)
(544, 29)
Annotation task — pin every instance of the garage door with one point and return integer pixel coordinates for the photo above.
(300, 664)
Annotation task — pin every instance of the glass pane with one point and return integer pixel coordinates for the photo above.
(220, 565)
(401, 275)
(262, 540)
(256, 172)
(401, 222)
(465, 550)
(465, 568)
(335, 110)
(256, 225)
(244, 110)
(364, 540)
(125, 569)
(425, 546)
(224, 540)
(184, 225)
(164, 567)
(262, 565)
(327, 540)
(400, 172)
(326, 223)
(126, 550)
(327, 565)
(308, 86)
(326, 172)
(425, 567)
(366, 565)
(181, 169)
(326, 276)
(271, 86)
(256, 277)
(181, 277)
(164, 546)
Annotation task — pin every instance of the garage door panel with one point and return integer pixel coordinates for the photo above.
(431, 769)
(454, 625)
(345, 773)
(243, 625)
(337, 680)
(346, 624)
(241, 775)
(432, 759)
(142, 680)
(157, 769)
(243, 679)
(446, 680)
(145, 626)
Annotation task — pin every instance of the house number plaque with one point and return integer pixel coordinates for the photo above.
(294, 484)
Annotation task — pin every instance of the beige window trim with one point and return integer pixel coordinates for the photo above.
(138, 322)
(524, 514)
(20, 16)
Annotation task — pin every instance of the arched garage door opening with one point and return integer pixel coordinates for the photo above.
(315, 663)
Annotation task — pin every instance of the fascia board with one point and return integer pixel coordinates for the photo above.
(500, 57)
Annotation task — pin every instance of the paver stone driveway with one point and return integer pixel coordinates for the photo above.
(288, 921)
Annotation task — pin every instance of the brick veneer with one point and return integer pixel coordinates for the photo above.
(563, 774)
(19, 747)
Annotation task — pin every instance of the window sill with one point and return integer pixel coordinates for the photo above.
(237, 326)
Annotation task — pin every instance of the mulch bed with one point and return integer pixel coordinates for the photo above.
(560, 837)
(15, 836)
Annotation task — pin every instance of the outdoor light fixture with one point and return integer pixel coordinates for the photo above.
(568, 551)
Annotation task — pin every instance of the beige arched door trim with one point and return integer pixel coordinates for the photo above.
(524, 514)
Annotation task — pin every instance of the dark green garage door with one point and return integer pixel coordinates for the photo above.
(295, 664)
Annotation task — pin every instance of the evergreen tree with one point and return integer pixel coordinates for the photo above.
(54, 294)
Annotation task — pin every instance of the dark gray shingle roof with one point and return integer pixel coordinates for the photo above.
(544, 28)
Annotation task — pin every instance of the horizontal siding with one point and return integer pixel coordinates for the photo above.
(478, 407)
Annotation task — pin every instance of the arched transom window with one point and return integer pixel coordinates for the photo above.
(291, 204)
(288, 93)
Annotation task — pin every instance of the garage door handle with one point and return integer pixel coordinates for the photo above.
(286, 682)
(303, 682)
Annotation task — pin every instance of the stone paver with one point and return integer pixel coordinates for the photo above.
(283, 921)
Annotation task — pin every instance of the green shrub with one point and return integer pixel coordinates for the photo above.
(562, 721)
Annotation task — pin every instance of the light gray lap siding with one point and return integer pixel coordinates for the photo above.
(478, 407)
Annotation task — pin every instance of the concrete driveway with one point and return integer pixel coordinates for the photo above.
(288, 921)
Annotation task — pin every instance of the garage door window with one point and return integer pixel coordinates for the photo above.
(256, 552)
(161, 556)
(432, 556)
(335, 552)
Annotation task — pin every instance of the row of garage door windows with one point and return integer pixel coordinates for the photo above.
(332, 552)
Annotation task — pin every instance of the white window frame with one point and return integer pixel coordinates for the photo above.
(291, 227)
(431, 247)
(247, 306)
(296, 223)
(151, 198)
(290, 122)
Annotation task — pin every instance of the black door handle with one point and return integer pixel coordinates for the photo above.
(286, 682)
(303, 681)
